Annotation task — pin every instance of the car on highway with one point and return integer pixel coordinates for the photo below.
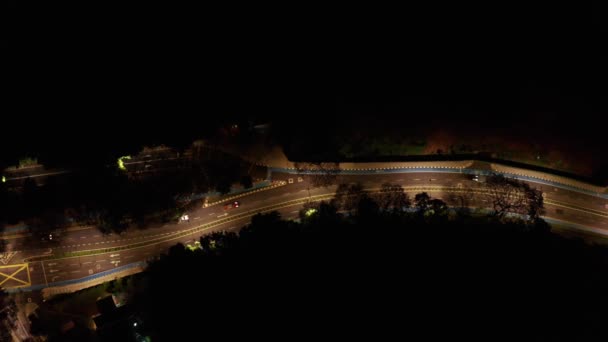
(232, 205)
(478, 178)
(50, 237)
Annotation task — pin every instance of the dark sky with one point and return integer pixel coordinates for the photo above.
(154, 69)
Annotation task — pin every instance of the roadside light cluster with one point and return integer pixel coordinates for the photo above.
(121, 163)
(311, 211)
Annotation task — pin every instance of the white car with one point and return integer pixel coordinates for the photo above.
(185, 218)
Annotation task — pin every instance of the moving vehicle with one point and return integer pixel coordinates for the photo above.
(232, 205)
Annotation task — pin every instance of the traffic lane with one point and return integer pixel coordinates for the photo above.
(90, 237)
(453, 179)
(271, 197)
(251, 202)
(573, 215)
(197, 217)
(592, 202)
(57, 270)
(68, 268)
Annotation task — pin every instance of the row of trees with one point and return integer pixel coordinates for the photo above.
(345, 275)
(112, 200)
(507, 197)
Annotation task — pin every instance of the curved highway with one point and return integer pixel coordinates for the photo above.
(83, 252)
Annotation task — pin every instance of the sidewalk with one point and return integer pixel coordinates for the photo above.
(49, 292)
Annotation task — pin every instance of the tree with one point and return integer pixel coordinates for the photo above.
(246, 182)
(438, 208)
(319, 174)
(510, 196)
(422, 201)
(392, 198)
(348, 196)
(218, 242)
(8, 315)
(430, 207)
(31, 198)
(367, 208)
(318, 211)
(223, 186)
(462, 200)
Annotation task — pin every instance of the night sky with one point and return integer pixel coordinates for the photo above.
(84, 72)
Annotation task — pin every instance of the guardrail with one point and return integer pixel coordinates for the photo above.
(79, 280)
(389, 170)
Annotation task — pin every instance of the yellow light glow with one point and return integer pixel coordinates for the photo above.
(311, 211)
(121, 164)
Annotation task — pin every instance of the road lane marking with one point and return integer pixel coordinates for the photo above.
(6, 257)
(176, 235)
(14, 271)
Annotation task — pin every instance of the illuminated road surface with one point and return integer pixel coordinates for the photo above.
(56, 261)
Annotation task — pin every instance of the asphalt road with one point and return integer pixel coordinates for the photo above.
(29, 262)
